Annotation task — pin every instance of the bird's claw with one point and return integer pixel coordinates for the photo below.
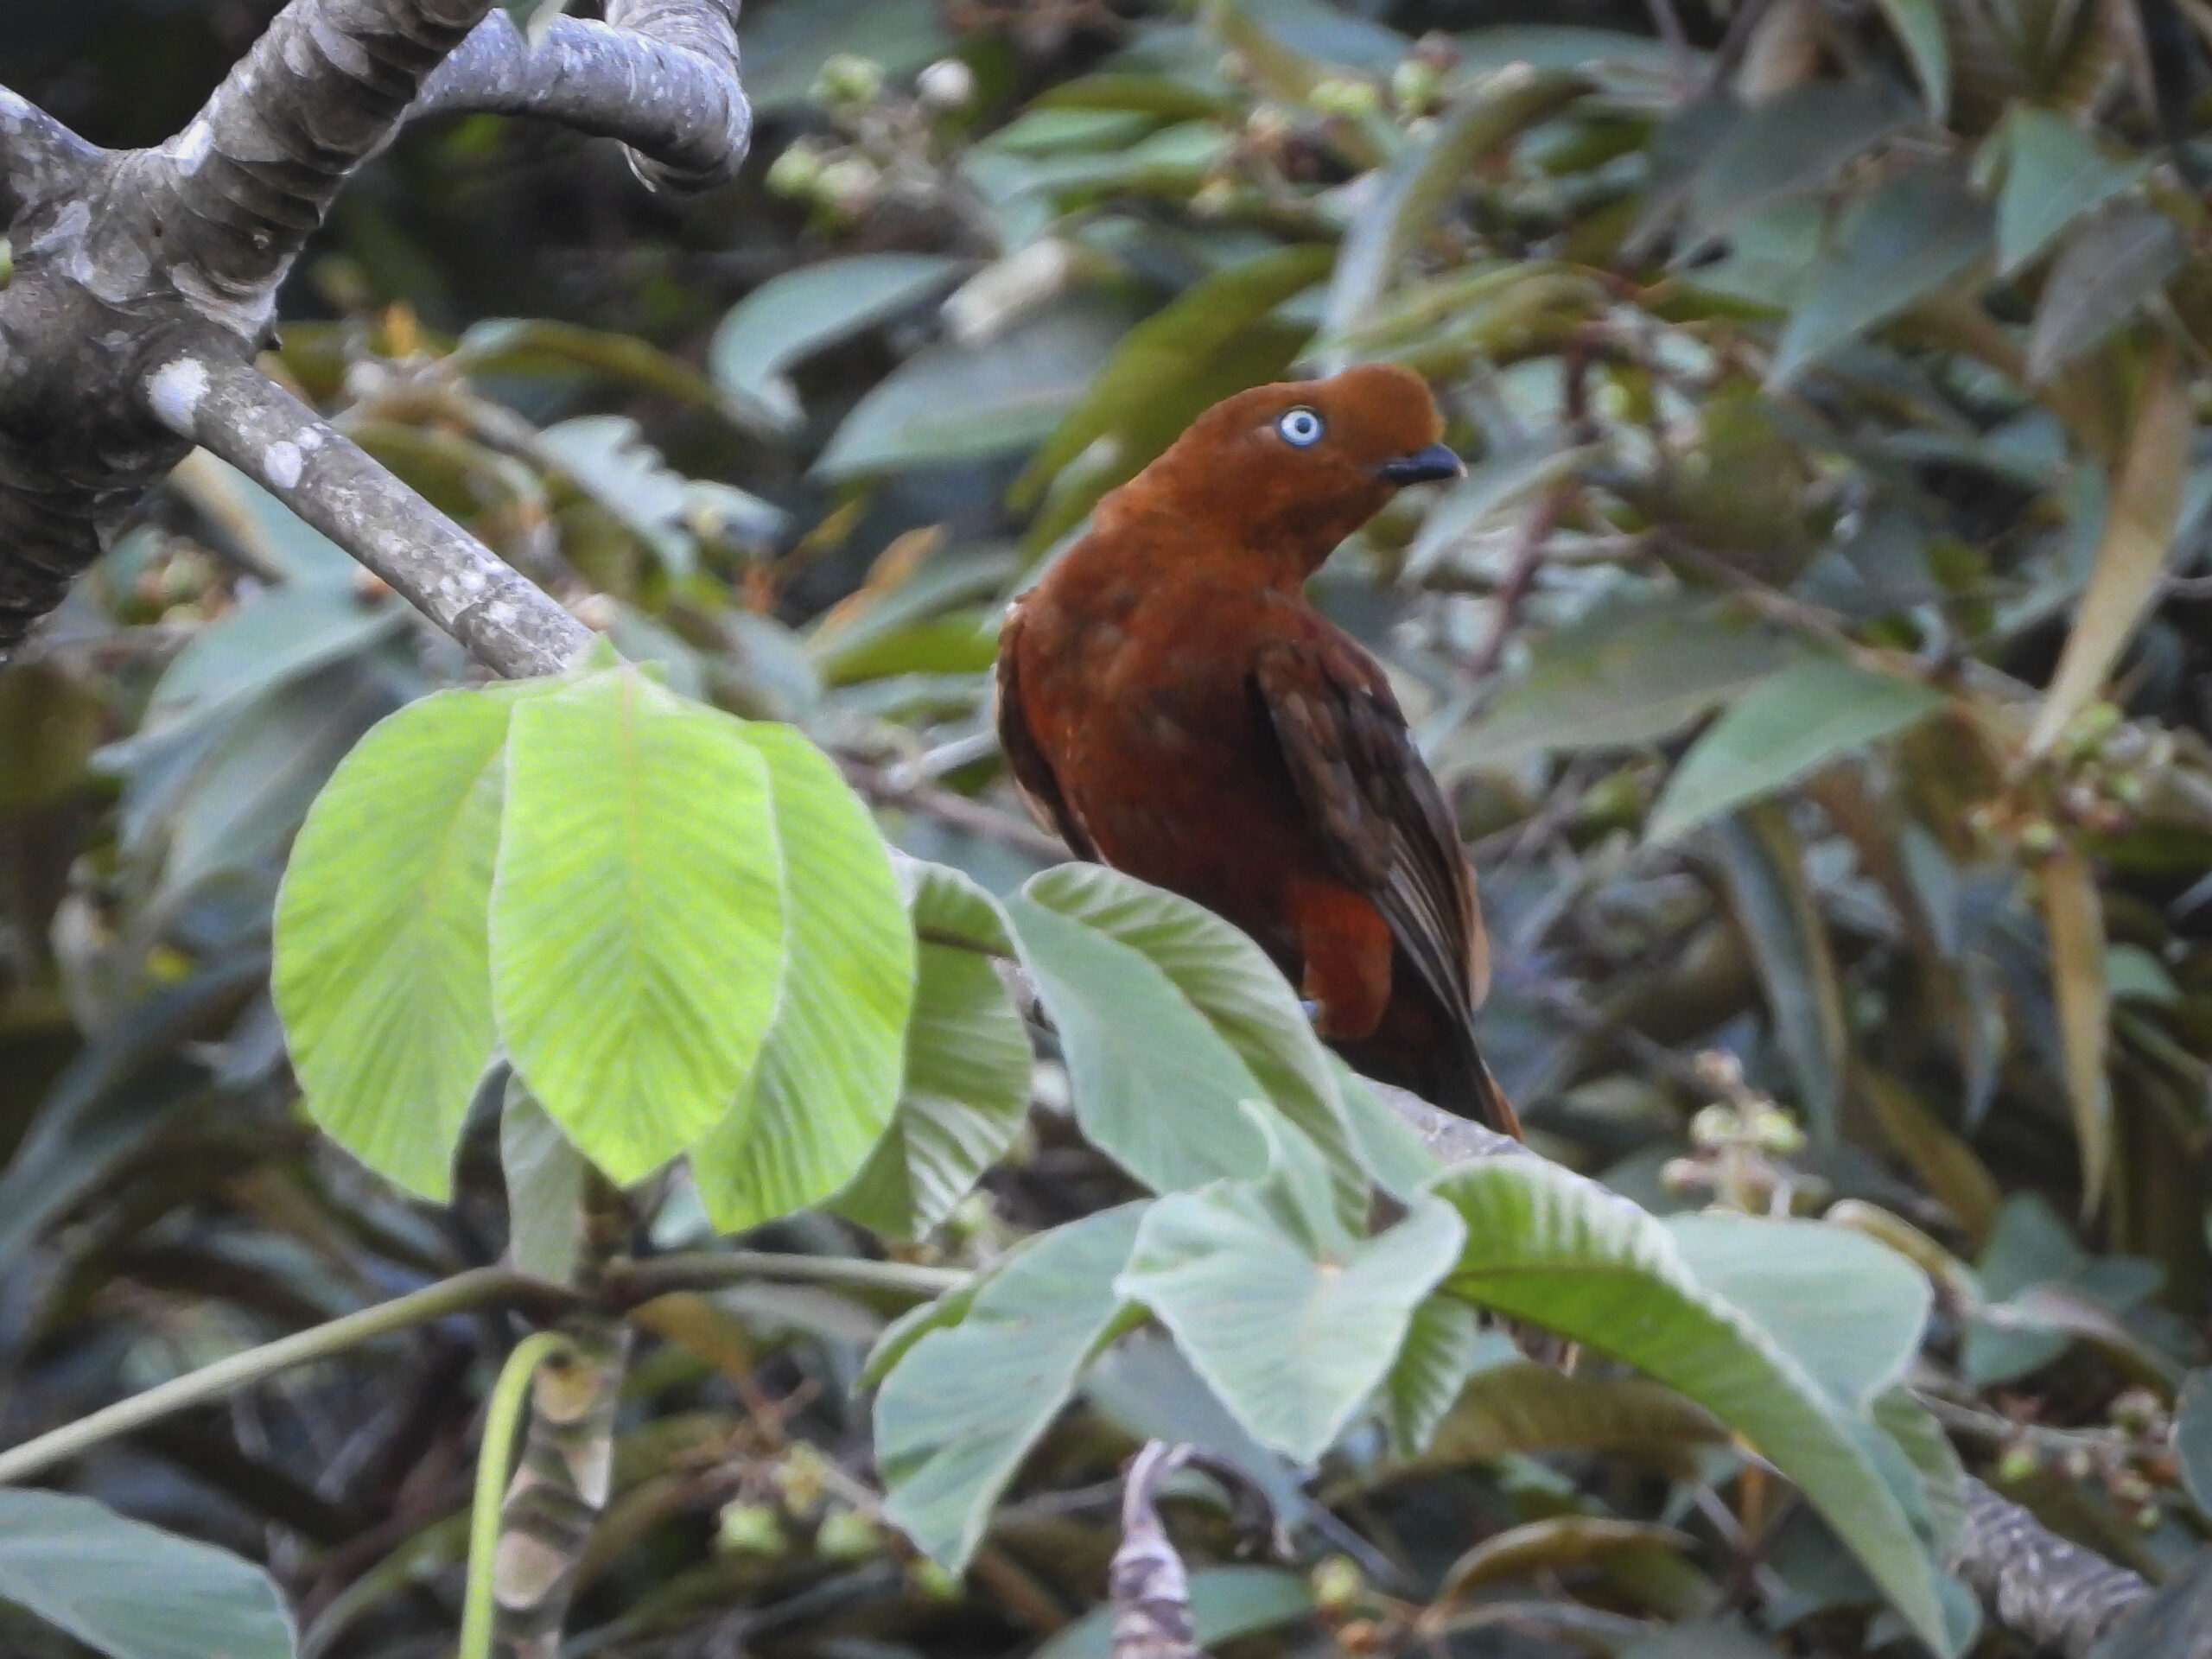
(1311, 1007)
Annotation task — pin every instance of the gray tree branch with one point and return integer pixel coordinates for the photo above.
(166, 263)
(659, 75)
(504, 620)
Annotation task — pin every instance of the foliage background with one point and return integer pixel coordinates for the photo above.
(1832, 382)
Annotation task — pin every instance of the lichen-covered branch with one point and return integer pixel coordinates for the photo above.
(166, 262)
(661, 78)
(2034, 1583)
(505, 621)
(40, 160)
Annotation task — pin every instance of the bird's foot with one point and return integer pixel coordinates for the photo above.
(1311, 1007)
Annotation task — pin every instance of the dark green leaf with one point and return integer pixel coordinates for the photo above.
(2054, 172)
(2110, 265)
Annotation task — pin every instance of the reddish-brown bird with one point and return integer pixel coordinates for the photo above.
(1174, 707)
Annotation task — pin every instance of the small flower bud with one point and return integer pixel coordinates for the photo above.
(946, 84)
(795, 172)
(1215, 199)
(1342, 95)
(749, 1530)
(846, 79)
(846, 1536)
(2018, 1463)
(849, 186)
(1414, 86)
(1336, 1584)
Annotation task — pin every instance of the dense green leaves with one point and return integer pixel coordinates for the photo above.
(1546, 1246)
(683, 929)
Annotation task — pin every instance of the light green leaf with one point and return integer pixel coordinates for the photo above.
(1226, 1601)
(132, 1590)
(1779, 732)
(1628, 672)
(827, 1080)
(1899, 242)
(2054, 172)
(382, 963)
(1156, 1087)
(965, 1088)
(1559, 1251)
(1293, 1332)
(1228, 980)
(955, 403)
(791, 316)
(967, 1399)
(1847, 1309)
(638, 921)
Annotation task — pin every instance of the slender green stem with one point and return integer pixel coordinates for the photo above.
(463, 1291)
(638, 1281)
(493, 1468)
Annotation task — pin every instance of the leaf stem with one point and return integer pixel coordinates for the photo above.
(463, 1291)
(638, 1281)
(502, 1418)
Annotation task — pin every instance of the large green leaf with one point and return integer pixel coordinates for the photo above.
(637, 919)
(790, 317)
(966, 1399)
(1293, 1322)
(2111, 266)
(1782, 730)
(1628, 672)
(1899, 242)
(1791, 145)
(965, 1092)
(827, 1080)
(955, 403)
(132, 1590)
(1847, 1309)
(1526, 1408)
(1551, 1248)
(1232, 986)
(382, 957)
(1156, 1087)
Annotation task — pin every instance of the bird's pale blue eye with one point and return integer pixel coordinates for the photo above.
(1301, 426)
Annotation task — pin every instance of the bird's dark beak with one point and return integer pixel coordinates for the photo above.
(1421, 466)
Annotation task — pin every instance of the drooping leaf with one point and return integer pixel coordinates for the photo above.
(382, 949)
(1761, 863)
(1783, 729)
(2140, 520)
(1525, 1408)
(132, 1590)
(964, 1090)
(965, 1400)
(2074, 916)
(1442, 1347)
(1847, 1309)
(1546, 1246)
(638, 915)
(1943, 1159)
(1902, 241)
(791, 316)
(2111, 264)
(1548, 1545)
(2054, 172)
(827, 1079)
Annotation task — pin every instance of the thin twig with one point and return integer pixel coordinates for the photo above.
(952, 809)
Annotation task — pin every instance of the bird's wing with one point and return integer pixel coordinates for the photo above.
(1377, 808)
(1032, 773)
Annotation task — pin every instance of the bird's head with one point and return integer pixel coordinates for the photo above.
(1290, 470)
